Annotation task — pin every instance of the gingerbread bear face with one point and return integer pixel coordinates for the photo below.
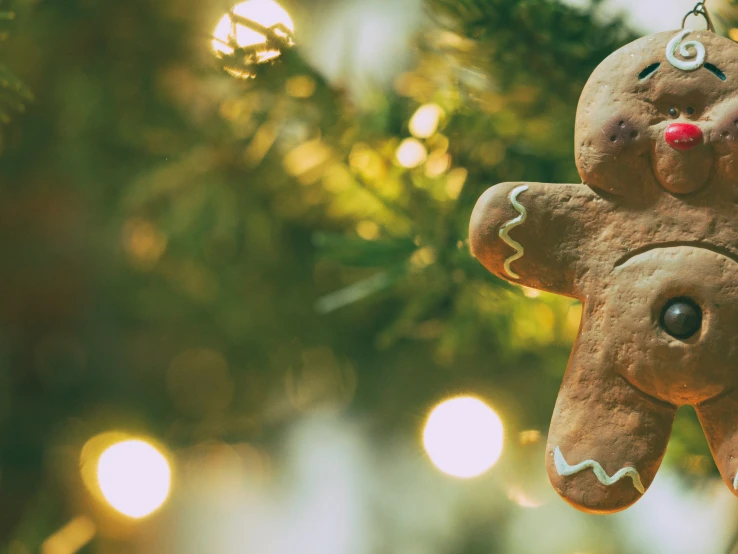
(649, 244)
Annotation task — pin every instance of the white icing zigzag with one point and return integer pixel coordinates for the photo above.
(684, 65)
(565, 470)
(735, 482)
(509, 226)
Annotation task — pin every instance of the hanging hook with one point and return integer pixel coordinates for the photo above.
(700, 9)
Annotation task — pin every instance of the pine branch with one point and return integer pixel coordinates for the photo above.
(555, 44)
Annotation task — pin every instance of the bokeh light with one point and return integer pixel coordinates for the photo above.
(438, 163)
(424, 123)
(411, 153)
(523, 498)
(264, 13)
(463, 437)
(134, 477)
(71, 538)
(301, 86)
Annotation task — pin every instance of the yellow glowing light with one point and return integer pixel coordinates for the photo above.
(143, 242)
(302, 86)
(71, 538)
(531, 436)
(424, 123)
(521, 498)
(733, 34)
(265, 13)
(463, 437)
(411, 153)
(438, 163)
(423, 257)
(134, 477)
(306, 157)
(531, 293)
(368, 230)
(455, 182)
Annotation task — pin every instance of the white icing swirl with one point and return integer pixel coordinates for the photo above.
(565, 470)
(509, 226)
(687, 64)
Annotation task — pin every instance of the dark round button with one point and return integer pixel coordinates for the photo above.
(681, 318)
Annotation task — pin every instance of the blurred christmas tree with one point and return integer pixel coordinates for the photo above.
(202, 247)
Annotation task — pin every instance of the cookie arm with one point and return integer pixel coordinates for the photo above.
(719, 419)
(606, 439)
(531, 233)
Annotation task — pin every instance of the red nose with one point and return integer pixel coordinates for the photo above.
(683, 136)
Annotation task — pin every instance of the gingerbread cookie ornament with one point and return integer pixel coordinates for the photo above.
(649, 243)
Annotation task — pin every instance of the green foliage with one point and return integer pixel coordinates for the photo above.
(164, 208)
(520, 64)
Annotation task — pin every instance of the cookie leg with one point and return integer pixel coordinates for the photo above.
(719, 419)
(607, 439)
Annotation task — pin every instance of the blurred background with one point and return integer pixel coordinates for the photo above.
(238, 312)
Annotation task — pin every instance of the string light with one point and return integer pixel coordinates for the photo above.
(257, 29)
(463, 437)
(424, 123)
(411, 153)
(133, 477)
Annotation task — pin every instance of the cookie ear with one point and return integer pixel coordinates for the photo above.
(606, 440)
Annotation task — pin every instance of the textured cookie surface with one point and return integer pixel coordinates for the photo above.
(649, 243)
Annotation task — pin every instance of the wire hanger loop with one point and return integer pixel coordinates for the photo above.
(700, 10)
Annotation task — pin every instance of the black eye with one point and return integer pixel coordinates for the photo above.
(690, 111)
(716, 71)
(649, 70)
(673, 112)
